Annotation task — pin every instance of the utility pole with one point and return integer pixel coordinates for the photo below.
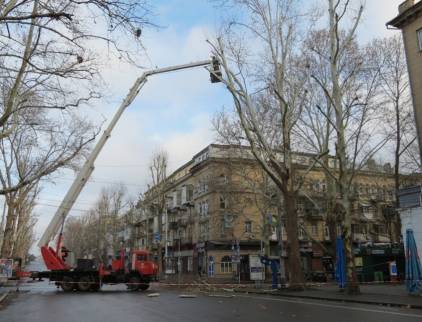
(166, 228)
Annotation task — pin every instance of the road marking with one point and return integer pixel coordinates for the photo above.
(332, 306)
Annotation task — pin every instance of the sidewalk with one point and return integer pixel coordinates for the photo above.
(381, 294)
(376, 294)
(7, 287)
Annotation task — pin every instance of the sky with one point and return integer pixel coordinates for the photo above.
(172, 112)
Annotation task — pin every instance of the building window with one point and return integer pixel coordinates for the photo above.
(226, 264)
(223, 202)
(301, 233)
(419, 32)
(248, 226)
(382, 230)
(326, 232)
(314, 229)
(356, 229)
(228, 221)
(206, 208)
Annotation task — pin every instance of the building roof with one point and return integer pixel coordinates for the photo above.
(407, 16)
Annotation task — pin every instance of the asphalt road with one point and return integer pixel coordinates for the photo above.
(43, 303)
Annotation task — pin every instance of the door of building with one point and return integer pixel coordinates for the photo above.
(244, 268)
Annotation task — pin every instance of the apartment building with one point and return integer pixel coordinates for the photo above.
(409, 20)
(221, 209)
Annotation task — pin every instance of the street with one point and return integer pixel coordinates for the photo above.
(42, 302)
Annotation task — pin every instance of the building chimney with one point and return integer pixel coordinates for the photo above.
(406, 5)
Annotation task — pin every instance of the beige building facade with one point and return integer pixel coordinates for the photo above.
(409, 20)
(222, 209)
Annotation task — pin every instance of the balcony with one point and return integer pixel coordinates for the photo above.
(186, 240)
(173, 225)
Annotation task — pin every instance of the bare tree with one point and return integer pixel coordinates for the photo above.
(155, 198)
(352, 91)
(55, 49)
(18, 231)
(97, 233)
(45, 46)
(24, 234)
(32, 152)
(269, 89)
(388, 57)
(315, 130)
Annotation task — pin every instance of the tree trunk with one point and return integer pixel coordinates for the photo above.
(160, 232)
(341, 148)
(397, 226)
(3, 218)
(280, 243)
(352, 285)
(296, 278)
(7, 247)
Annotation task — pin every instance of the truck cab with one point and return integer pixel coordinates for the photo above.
(142, 263)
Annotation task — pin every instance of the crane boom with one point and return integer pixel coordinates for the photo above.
(87, 169)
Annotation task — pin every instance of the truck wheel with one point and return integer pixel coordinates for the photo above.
(84, 283)
(134, 283)
(67, 284)
(95, 287)
(144, 286)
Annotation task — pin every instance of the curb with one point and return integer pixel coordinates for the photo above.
(330, 299)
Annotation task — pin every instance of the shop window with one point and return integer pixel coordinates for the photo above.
(190, 264)
(226, 264)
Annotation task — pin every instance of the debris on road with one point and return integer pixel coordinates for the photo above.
(187, 296)
(3, 296)
(153, 295)
(228, 289)
(221, 295)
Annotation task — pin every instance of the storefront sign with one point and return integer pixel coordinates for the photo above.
(377, 251)
(257, 269)
(358, 262)
(393, 268)
(6, 267)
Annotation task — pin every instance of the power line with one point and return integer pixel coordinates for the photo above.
(121, 165)
(58, 206)
(105, 182)
(59, 200)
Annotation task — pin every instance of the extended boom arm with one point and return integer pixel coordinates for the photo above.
(88, 167)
